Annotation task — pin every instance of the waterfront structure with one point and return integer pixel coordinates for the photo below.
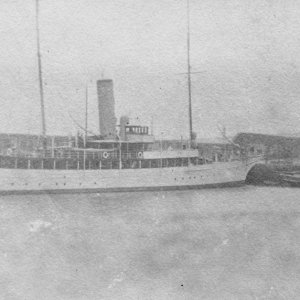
(272, 147)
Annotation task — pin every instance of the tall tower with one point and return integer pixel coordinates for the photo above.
(106, 106)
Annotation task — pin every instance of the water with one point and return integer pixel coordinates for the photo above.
(237, 243)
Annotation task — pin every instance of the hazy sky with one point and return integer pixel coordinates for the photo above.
(248, 53)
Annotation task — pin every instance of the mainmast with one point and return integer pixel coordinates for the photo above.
(40, 71)
(189, 73)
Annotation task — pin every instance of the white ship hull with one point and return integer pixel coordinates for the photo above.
(39, 180)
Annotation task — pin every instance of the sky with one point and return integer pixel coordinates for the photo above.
(245, 55)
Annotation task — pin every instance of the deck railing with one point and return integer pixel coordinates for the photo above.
(82, 159)
(74, 154)
(14, 162)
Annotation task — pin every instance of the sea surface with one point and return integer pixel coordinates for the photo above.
(234, 243)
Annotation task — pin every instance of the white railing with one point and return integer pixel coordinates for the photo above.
(77, 154)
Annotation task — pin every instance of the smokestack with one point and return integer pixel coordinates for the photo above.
(106, 106)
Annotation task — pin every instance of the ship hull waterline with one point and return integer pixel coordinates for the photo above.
(24, 181)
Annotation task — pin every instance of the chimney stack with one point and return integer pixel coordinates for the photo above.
(106, 106)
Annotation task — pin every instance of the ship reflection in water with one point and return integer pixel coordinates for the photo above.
(235, 243)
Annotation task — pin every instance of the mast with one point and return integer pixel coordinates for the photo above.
(40, 71)
(86, 112)
(189, 72)
(85, 126)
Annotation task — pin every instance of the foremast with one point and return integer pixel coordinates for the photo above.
(41, 87)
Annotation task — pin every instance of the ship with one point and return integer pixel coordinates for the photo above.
(119, 158)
